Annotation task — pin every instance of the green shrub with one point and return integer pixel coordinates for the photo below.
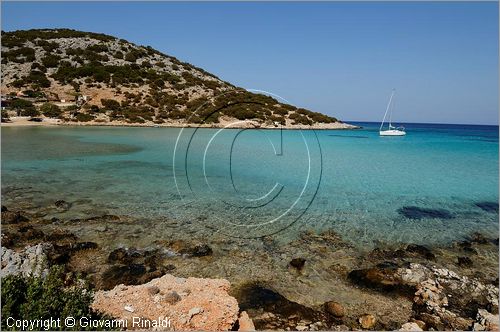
(21, 104)
(94, 108)
(33, 298)
(100, 75)
(84, 117)
(110, 104)
(34, 94)
(36, 65)
(98, 48)
(130, 57)
(33, 112)
(51, 61)
(51, 110)
(47, 46)
(27, 53)
(5, 116)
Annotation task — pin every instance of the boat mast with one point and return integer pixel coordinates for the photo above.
(387, 109)
(392, 109)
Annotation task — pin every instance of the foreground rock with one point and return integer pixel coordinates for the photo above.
(33, 261)
(200, 304)
(442, 298)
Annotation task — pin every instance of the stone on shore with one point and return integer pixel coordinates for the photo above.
(410, 327)
(245, 323)
(486, 321)
(367, 321)
(335, 309)
(204, 303)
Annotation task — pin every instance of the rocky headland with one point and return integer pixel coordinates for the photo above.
(63, 76)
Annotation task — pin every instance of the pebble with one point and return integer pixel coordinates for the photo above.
(172, 298)
(367, 321)
(195, 311)
(129, 308)
(301, 327)
(410, 327)
(335, 309)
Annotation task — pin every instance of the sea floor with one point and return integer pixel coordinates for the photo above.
(121, 208)
(278, 284)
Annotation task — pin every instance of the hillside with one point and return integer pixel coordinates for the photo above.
(99, 79)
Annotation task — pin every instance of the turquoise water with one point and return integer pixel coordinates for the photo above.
(262, 182)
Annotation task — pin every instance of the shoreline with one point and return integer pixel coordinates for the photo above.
(299, 274)
(24, 122)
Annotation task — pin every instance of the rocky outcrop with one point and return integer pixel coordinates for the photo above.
(442, 298)
(486, 321)
(189, 304)
(33, 261)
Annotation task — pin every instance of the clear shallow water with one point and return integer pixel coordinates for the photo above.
(252, 183)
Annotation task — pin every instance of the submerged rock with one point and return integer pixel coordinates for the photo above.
(28, 233)
(464, 262)
(201, 250)
(479, 238)
(83, 246)
(488, 206)
(122, 255)
(62, 204)
(379, 277)
(11, 217)
(421, 250)
(123, 274)
(217, 310)
(415, 212)
(298, 263)
(466, 246)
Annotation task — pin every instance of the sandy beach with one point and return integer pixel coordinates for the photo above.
(224, 123)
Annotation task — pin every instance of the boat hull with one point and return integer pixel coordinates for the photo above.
(392, 132)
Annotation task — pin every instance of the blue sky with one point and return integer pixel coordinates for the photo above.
(338, 58)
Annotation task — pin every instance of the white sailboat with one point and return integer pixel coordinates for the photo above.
(392, 131)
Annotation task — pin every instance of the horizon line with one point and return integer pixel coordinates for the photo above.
(436, 123)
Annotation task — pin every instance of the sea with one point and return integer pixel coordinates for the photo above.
(436, 185)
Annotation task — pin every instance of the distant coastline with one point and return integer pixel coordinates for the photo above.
(227, 123)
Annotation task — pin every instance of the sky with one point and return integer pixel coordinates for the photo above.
(342, 59)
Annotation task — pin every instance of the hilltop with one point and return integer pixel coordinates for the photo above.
(92, 78)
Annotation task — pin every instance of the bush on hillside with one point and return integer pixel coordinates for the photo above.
(51, 61)
(51, 110)
(110, 104)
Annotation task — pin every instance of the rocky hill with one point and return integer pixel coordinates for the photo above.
(99, 79)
